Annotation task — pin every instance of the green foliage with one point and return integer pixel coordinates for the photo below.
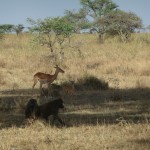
(107, 19)
(98, 8)
(91, 83)
(62, 30)
(54, 33)
(77, 19)
(5, 28)
(61, 27)
(18, 29)
(120, 23)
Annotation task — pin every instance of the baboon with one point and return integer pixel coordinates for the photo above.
(32, 109)
(45, 110)
(52, 108)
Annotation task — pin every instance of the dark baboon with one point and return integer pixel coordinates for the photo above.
(32, 109)
(52, 108)
(45, 110)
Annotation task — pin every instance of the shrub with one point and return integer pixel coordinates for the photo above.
(91, 83)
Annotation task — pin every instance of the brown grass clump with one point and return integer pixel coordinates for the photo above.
(91, 83)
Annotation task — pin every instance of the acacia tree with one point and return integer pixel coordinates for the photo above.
(120, 23)
(108, 19)
(98, 9)
(18, 29)
(5, 28)
(54, 33)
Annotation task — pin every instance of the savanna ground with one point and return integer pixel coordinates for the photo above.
(115, 118)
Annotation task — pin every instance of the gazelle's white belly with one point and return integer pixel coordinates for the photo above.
(43, 81)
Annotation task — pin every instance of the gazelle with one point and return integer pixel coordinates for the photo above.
(44, 78)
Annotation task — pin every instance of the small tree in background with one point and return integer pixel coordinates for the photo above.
(109, 20)
(54, 33)
(5, 28)
(18, 29)
(120, 23)
(98, 9)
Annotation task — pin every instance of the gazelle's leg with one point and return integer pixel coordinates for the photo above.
(40, 86)
(35, 82)
(42, 91)
(48, 88)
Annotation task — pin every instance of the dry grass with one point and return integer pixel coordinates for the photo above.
(20, 59)
(116, 118)
(39, 136)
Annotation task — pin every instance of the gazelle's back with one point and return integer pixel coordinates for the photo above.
(42, 75)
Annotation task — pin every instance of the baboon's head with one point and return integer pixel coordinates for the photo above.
(32, 103)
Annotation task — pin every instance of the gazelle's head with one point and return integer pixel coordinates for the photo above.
(59, 69)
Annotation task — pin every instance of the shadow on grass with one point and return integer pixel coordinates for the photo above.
(83, 107)
(141, 142)
(136, 144)
(11, 120)
(104, 119)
